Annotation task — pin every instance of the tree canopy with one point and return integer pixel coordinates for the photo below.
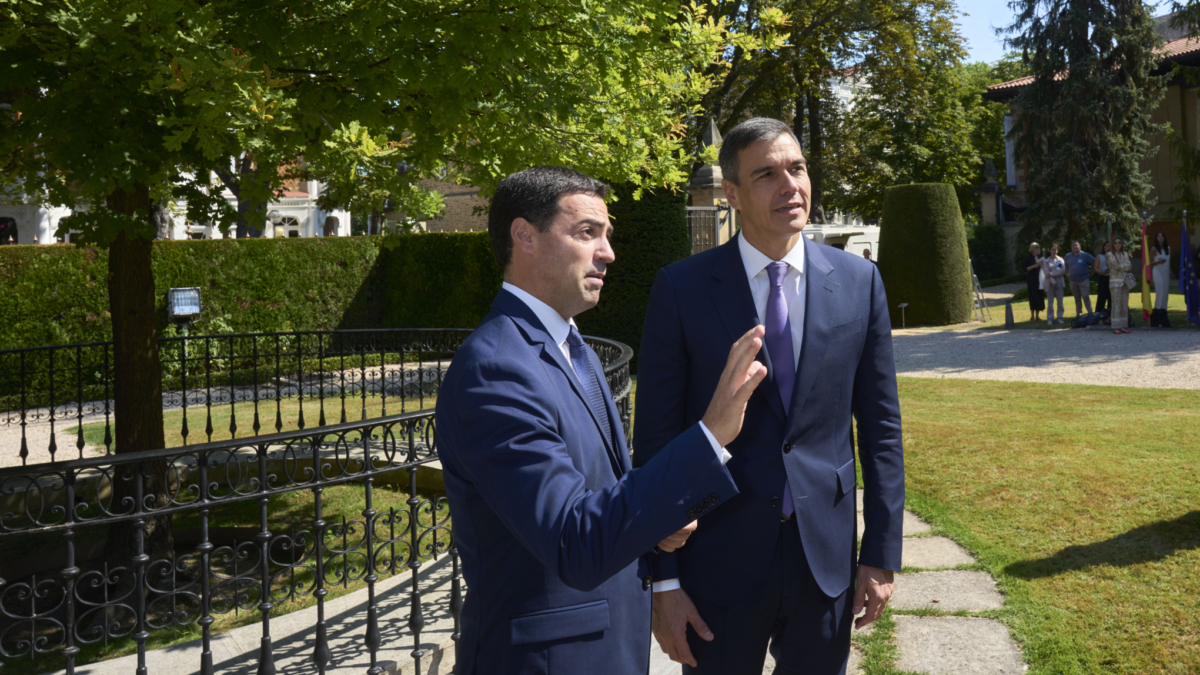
(1082, 123)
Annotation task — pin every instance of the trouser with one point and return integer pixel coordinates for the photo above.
(1120, 306)
(1082, 290)
(1160, 294)
(806, 631)
(1052, 293)
(1103, 294)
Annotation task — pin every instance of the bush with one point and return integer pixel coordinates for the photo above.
(923, 254)
(648, 234)
(59, 294)
(434, 280)
(989, 251)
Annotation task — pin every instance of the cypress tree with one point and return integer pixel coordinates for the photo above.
(1082, 123)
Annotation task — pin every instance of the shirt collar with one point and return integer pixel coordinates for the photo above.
(756, 261)
(552, 321)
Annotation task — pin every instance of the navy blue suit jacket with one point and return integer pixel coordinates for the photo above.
(697, 308)
(552, 524)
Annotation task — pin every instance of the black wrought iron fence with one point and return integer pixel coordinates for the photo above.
(57, 400)
(260, 524)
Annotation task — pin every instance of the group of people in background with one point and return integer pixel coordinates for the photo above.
(1048, 275)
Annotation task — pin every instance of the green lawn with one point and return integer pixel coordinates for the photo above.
(1082, 501)
(287, 416)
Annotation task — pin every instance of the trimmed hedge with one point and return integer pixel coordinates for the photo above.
(989, 251)
(923, 254)
(59, 294)
(648, 234)
(434, 280)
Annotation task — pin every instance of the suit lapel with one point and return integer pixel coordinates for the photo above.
(534, 330)
(820, 298)
(735, 305)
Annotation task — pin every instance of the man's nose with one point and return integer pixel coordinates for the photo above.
(605, 252)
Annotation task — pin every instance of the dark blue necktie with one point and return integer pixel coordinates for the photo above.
(587, 377)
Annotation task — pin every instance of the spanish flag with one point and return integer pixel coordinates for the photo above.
(1147, 301)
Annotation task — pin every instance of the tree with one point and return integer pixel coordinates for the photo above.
(987, 117)
(909, 123)
(118, 104)
(1082, 123)
(827, 40)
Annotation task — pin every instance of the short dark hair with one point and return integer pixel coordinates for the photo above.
(533, 194)
(752, 130)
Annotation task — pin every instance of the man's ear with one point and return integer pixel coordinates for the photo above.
(731, 193)
(522, 232)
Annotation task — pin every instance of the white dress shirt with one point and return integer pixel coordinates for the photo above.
(756, 262)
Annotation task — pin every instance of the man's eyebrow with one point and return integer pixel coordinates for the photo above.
(593, 221)
(763, 169)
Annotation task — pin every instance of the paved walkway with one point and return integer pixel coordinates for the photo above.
(936, 609)
(1158, 358)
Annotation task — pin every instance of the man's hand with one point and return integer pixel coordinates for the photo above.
(678, 539)
(673, 611)
(872, 590)
(739, 379)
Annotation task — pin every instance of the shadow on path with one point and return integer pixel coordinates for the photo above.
(1147, 543)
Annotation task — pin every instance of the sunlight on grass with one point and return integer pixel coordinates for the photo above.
(1082, 501)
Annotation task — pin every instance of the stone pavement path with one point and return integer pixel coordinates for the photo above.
(951, 640)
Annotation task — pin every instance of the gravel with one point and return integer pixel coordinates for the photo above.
(1154, 358)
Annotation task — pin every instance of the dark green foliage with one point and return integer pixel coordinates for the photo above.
(57, 294)
(923, 255)
(648, 234)
(1084, 122)
(433, 281)
(988, 249)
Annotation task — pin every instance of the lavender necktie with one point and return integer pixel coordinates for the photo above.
(778, 339)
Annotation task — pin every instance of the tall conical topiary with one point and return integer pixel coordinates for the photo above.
(923, 255)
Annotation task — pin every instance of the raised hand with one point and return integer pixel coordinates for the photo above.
(740, 378)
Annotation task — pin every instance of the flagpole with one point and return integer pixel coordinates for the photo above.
(1147, 303)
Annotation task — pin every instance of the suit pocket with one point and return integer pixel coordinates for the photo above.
(847, 327)
(563, 622)
(845, 474)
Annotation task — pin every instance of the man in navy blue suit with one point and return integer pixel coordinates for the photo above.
(775, 567)
(552, 523)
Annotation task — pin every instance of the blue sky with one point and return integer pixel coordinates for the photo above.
(977, 21)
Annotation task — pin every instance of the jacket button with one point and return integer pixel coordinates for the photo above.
(646, 583)
(787, 447)
(774, 502)
(714, 498)
(691, 514)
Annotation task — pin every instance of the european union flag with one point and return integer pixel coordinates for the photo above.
(1189, 285)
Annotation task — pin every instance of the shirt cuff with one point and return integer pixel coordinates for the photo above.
(665, 585)
(722, 453)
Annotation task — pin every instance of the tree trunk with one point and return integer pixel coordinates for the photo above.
(815, 155)
(137, 388)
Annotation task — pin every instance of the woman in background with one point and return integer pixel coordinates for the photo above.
(1160, 266)
(1054, 268)
(1120, 276)
(1033, 271)
(1100, 267)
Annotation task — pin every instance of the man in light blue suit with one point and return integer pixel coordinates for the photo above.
(775, 567)
(552, 523)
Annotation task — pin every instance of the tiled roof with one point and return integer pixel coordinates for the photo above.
(1171, 50)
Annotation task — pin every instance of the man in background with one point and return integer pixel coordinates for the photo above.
(1079, 273)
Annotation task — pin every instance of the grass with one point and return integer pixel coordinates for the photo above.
(288, 418)
(289, 511)
(1176, 312)
(1082, 501)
